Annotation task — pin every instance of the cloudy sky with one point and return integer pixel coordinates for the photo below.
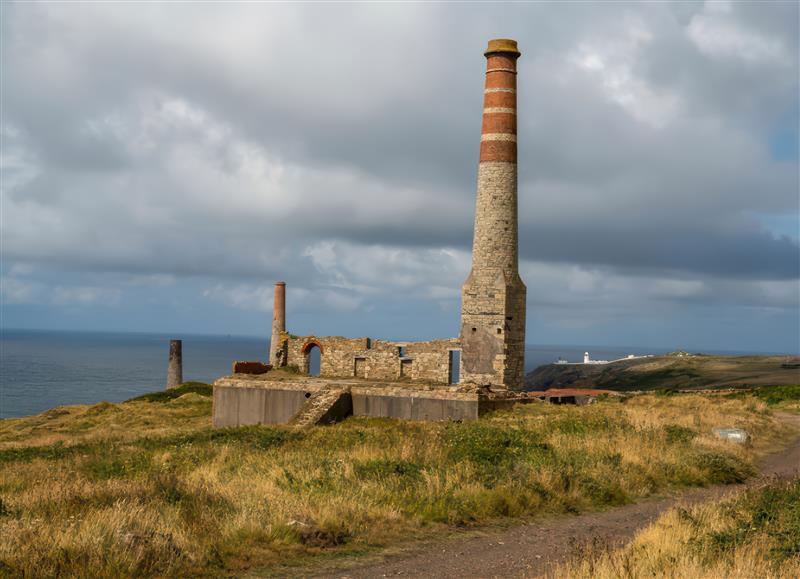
(164, 165)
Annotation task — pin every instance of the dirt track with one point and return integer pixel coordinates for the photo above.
(531, 550)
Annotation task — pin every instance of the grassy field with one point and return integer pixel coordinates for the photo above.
(756, 533)
(148, 488)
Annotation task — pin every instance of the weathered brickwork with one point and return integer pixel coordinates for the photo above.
(493, 296)
(372, 359)
(278, 323)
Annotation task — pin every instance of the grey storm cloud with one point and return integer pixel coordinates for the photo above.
(227, 140)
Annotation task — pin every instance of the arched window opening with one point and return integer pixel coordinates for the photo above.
(314, 360)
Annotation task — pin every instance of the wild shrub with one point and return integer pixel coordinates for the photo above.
(601, 491)
(386, 468)
(721, 468)
(111, 464)
(589, 422)
(679, 434)
(167, 487)
(773, 395)
(490, 444)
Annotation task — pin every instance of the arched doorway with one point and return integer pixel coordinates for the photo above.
(312, 357)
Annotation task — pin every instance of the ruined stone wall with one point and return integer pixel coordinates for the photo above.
(431, 360)
(381, 361)
(373, 359)
(336, 352)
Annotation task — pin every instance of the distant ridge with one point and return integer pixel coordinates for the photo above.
(672, 371)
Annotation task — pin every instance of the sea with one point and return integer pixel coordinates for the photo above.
(43, 369)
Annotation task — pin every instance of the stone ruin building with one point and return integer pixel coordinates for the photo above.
(455, 378)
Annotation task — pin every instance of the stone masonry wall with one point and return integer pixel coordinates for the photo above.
(375, 359)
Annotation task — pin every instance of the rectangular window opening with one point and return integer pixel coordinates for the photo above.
(454, 370)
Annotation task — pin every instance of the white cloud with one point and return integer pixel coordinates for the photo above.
(718, 34)
(611, 60)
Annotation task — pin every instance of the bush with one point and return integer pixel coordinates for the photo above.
(488, 444)
(105, 465)
(772, 395)
(602, 492)
(722, 468)
(776, 394)
(382, 468)
(679, 434)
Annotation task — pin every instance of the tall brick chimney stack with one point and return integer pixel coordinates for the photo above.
(493, 297)
(278, 323)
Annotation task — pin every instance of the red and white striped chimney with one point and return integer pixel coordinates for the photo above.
(493, 297)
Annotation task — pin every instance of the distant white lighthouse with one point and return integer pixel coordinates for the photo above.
(586, 357)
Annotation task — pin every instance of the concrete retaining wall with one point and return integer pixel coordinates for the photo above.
(240, 401)
(236, 406)
(409, 406)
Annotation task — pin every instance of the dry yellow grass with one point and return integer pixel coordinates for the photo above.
(71, 424)
(752, 534)
(149, 489)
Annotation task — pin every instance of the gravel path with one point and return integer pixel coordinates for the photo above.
(531, 550)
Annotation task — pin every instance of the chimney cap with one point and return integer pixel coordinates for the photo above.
(280, 283)
(502, 45)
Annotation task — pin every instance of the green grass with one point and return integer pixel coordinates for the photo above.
(173, 393)
(246, 437)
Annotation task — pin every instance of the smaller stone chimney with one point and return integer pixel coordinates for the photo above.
(175, 364)
(278, 324)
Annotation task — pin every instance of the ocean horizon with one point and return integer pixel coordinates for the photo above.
(42, 369)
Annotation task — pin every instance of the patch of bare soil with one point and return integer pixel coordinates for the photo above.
(533, 550)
